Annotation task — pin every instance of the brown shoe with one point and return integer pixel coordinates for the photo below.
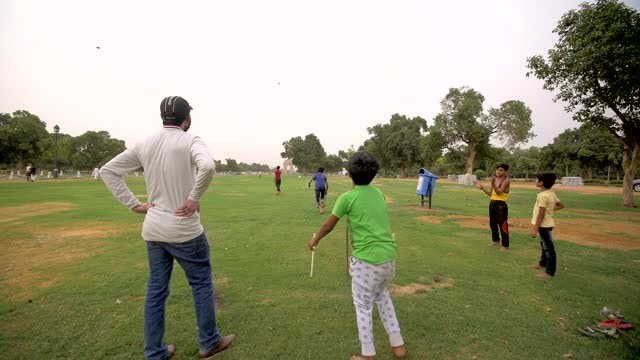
(223, 344)
(171, 349)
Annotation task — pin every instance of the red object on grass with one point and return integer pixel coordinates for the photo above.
(616, 323)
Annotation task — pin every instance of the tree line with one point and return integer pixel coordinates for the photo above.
(24, 139)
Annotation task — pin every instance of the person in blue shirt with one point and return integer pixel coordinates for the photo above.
(322, 188)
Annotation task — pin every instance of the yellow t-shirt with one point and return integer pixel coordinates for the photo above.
(548, 200)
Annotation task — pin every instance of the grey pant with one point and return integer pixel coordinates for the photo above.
(369, 285)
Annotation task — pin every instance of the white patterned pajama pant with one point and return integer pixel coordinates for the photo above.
(369, 285)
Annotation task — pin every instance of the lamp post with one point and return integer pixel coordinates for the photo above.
(56, 130)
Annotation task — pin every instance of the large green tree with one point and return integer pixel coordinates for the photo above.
(560, 155)
(21, 136)
(462, 121)
(597, 150)
(595, 69)
(334, 163)
(523, 162)
(585, 151)
(398, 143)
(94, 149)
(306, 154)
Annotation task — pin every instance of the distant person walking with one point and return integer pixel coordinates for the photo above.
(178, 170)
(96, 173)
(498, 210)
(278, 179)
(32, 173)
(322, 187)
(28, 172)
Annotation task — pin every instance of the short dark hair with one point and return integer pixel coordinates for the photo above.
(548, 178)
(278, 167)
(320, 169)
(504, 166)
(362, 167)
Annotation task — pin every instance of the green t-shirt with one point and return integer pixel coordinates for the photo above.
(371, 237)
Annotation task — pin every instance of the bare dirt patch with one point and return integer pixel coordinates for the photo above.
(421, 289)
(26, 263)
(430, 219)
(618, 215)
(607, 234)
(14, 213)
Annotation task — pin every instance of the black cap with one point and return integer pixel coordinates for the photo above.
(174, 109)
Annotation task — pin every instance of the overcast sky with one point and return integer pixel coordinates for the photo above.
(260, 72)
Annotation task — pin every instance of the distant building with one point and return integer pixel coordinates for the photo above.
(288, 167)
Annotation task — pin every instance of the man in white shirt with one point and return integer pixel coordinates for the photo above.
(178, 170)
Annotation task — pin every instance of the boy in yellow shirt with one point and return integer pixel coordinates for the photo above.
(546, 203)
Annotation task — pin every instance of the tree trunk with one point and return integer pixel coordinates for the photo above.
(566, 170)
(629, 164)
(472, 156)
(403, 172)
(589, 172)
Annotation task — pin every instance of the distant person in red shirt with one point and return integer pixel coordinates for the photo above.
(278, 179)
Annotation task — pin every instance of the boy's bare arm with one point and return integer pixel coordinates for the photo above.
(479, 185)
(504, 186)
(323, 231)
(536, 226)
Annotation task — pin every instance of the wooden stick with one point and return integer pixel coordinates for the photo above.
(313, 252)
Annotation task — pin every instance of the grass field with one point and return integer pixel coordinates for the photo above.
(73, 275)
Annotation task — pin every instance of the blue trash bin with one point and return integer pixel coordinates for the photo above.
(426, 184)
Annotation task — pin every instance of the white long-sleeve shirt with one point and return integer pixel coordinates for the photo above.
(177, 166)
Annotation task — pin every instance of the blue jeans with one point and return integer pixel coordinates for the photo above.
(320, 196)
(548, 256)
(193, 257)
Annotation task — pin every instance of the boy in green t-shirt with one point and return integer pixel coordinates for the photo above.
(542, 220)
(372, 266)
